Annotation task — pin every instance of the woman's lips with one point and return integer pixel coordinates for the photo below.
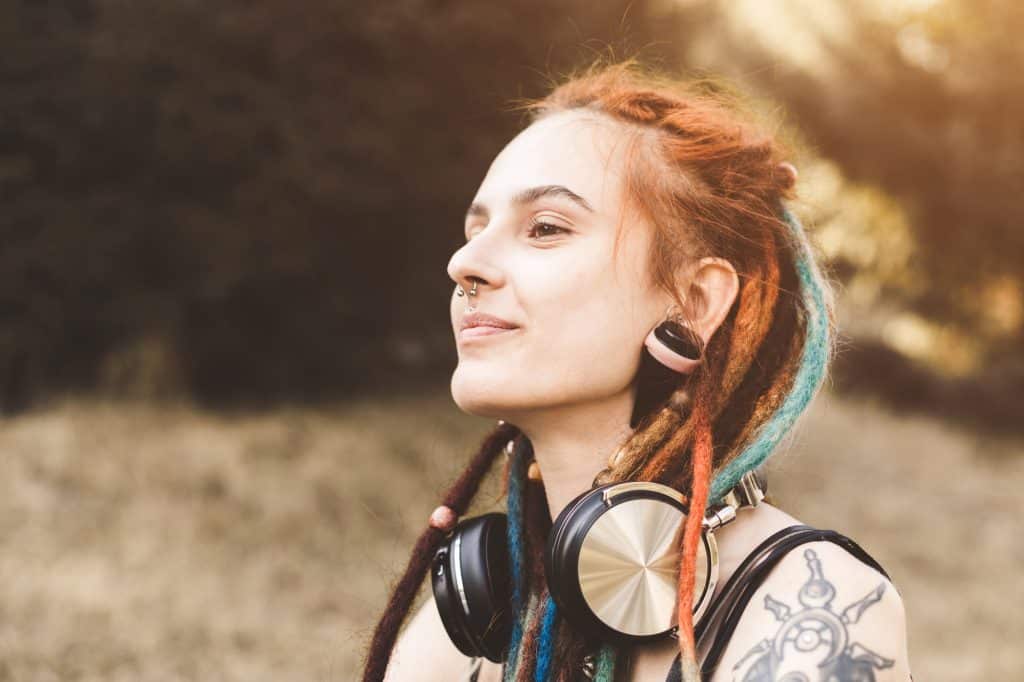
(481, 325)
(479, 319)
(483, 331)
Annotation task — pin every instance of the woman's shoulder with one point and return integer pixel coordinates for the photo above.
(820, 605)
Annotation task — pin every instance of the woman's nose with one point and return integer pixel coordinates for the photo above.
(473, 262)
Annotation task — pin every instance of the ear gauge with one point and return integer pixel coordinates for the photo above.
(671, 351)
(676, 346)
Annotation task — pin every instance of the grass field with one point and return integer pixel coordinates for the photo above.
(162, 542)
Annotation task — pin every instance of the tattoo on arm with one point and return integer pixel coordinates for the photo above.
(814, 635)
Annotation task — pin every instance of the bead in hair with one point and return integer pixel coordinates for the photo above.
(533, 472)
(680, 401)
(443, 518)
(789, 173)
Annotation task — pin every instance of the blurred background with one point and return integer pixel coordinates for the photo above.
(224, 337)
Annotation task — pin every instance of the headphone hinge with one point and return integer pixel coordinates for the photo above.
(747, 493)
(719, 515)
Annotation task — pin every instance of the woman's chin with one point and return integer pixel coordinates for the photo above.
(479, 396)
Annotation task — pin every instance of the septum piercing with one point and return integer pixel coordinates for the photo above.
(472, 292)
(462, 292)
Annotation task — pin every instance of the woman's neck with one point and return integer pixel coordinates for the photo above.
(572, 444)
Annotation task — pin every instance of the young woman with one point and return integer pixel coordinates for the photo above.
(632, 200)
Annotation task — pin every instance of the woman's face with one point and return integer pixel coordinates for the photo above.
(543, 261)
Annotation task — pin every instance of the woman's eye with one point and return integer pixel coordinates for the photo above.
(545, 229)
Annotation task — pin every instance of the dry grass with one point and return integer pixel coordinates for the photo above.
(146, 542)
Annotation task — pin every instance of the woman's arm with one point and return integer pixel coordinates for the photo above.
(820, 614)
(424, 653)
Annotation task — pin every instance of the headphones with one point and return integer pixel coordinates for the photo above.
(611, 563)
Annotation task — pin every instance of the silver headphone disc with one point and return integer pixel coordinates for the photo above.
(629, 566)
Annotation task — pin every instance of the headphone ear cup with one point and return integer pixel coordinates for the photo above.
(446, 598)
(612, 564)
(472, 586)
(561, 559)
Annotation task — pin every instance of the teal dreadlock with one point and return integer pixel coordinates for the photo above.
(810, 375)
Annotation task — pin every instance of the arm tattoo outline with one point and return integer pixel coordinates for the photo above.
(813, 636)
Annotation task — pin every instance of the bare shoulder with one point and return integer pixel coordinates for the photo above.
(424, 653)
(821, 614)
(741, 537)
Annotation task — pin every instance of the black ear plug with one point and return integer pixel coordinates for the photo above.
(671, 351)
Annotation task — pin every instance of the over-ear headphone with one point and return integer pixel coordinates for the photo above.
(611, 562)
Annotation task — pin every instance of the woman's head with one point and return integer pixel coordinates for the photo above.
(557, 249)
(688, 193)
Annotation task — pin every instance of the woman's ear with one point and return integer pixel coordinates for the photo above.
(712, 288)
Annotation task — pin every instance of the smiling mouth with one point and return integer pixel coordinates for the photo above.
(483, 330)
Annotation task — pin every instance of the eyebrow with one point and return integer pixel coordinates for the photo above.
(530, 195)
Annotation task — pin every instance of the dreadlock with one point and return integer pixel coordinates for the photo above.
(457, 499)
(708, 182)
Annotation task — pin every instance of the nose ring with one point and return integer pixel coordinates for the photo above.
(462, 292)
